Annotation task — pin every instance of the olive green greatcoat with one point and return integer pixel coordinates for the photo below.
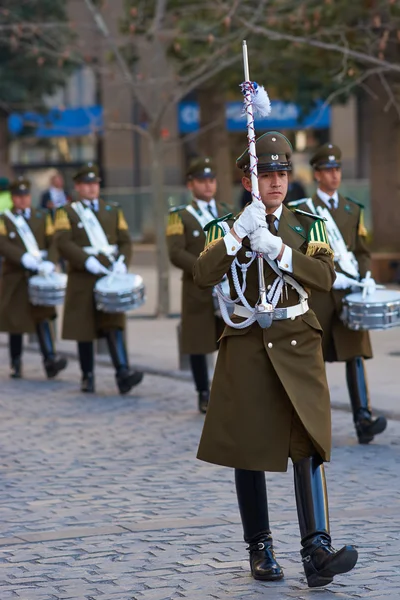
(17, 315)
(340, 343)
(200, 328)
(263, 375)
(82, 321)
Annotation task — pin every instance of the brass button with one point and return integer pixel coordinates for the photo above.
(269, 287)
(285, 266)
(270, 344)
(233, 248)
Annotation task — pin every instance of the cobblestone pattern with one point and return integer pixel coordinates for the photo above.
(102, 498)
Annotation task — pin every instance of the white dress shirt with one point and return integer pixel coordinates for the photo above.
(203, 205)
(326, 197)
(94, 204)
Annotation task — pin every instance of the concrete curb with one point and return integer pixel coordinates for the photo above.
(185, 376)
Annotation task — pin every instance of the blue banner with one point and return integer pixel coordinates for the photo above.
(284, 115)
(70, 122)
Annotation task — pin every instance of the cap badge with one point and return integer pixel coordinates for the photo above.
(331, 157)
(274, 156)
(207, 170)
(273, 139)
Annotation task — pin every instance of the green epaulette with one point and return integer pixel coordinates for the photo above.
(355, 202)
(174, 209)
(312, 215)
(214, 230)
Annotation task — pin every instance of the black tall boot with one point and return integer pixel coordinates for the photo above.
(198, 364)
(53, 363)
(321, 562)
(125, 377)
(366, 426)
(15, 348)
(86, 361)
(252, 498)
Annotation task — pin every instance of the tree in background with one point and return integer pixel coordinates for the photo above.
(35, 58)
(330, 50)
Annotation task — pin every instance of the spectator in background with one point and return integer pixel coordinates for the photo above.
(5, 196)
(295, 191)
(55, 197)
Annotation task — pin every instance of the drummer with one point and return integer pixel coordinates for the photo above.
(201, 328)
(92, 235)
(347, 236)
(25, 244)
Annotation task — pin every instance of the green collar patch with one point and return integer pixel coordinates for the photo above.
(348, 208)
(298, 229)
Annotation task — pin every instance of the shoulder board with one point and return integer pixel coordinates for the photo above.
(113, 204)
(174, 209)
(297, 202)
(216, 221)
(355, 202)
(303, 212)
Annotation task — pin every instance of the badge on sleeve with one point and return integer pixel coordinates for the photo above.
(196, 233)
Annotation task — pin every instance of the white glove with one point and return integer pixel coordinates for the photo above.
(369, 286)
(252, 218)
(262, 240)
(46, 267)
(94, 266)
(119, 268)
(342, 282)
(30, 262)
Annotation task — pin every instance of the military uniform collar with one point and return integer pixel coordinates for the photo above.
(326, 197)
(290, 229)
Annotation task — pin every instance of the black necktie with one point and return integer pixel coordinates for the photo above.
(331, 203)
(271, 220)
(212, 211)
(93, 205)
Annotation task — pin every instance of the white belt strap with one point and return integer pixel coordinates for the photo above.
(279, 313)
(94, 231)
(111, 249)
(203, 217)
(24, 232)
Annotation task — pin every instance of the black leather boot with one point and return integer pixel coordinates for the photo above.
(203, 401)
(252, 499)
(53, 363)
(321, 562)
(87, 383)
(86, 361)
(15, 348)
(125, 377)
(366, 426)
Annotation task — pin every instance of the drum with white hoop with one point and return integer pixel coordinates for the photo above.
(225, 290)
(47, 290)
(380, 310)
(118, 293)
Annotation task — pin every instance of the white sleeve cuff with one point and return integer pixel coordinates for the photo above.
(286, 262)
(231, 244)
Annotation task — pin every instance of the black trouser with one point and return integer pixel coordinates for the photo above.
(198, 364)
(15, 345)
(357, 386)
(251, 493)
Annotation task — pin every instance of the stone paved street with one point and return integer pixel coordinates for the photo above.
(102, 498)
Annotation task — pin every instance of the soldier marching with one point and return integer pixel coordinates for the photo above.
(263, 408)
(347, 234)
(78, 229)
(26, 236)
(200, 326)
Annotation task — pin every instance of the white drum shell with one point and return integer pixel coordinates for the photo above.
(117, 293)
(378, 311)
(47, 290)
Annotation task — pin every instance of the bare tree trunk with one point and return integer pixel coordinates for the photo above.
(384, 168)
(5, 168)
(159, 221)
(215, 141)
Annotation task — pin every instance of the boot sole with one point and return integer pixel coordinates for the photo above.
(343, 562)
(276, 577)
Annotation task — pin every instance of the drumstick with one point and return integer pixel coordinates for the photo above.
(367, 277)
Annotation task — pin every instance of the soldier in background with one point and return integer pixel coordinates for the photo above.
(340, 343)
(21, 228)
(201, 328)
(82, 321)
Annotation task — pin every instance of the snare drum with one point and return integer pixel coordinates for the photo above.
(47, 290)
(118, 293)
(380, 310)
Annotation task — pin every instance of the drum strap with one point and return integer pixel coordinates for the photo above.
(202, 216)
(94, 231)
(24, 232)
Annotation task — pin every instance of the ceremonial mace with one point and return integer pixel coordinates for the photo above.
(256, 97)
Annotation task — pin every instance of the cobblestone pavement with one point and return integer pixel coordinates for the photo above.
(102, 498)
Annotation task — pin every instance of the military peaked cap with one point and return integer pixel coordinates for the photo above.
(327, 156)
(201, 168)
(20, 187)
(88, 173)
(274, 152)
